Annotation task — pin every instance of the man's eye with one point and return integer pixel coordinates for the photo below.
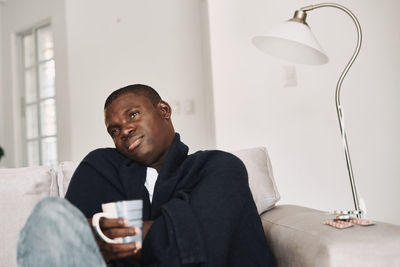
(113, 132)
(134, 114)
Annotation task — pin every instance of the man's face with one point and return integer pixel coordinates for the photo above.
(140, 131)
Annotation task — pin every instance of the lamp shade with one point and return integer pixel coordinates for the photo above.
(292, 41)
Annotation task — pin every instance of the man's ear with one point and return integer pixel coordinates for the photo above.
(165, 109)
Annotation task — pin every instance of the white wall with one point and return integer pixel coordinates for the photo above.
(298, 124)
(17, 16)
(116, 43)
(2, 139)
(103, 45)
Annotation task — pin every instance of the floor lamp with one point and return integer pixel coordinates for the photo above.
(295, 42)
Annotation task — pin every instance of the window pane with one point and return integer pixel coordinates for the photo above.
(46, 76)
(45, 43)
(33, 153)
(31, 121)
(30, 86)
(49, 151)
(29, 50)
(48, 117)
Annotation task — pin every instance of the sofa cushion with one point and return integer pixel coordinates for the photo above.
(20, 190)
(298, 237)
(64, 173)
(261, 178)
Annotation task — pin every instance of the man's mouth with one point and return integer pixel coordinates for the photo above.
(136, 142)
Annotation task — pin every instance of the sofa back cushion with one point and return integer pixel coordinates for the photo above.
(64, 173)
(20, 190)
(261, 178)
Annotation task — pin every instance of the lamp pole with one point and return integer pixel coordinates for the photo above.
(301, 15)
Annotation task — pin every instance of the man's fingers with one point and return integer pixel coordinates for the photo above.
(121, 232)
(121, 250)
(110, 223)
(114, 228)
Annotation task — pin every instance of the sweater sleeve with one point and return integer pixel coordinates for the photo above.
(175, 238)
(91, 184)
(198, 225)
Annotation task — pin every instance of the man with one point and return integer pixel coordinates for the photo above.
(201, 212)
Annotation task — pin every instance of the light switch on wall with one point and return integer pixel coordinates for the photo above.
(289, 76)
(188, 107)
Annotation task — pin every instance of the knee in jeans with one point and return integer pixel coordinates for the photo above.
(51, 207)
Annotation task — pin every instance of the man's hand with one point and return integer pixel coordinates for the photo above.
(114, 228)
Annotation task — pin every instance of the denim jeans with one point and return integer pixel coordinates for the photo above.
(57, 234)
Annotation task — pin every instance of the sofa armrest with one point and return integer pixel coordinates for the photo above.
(298, 237)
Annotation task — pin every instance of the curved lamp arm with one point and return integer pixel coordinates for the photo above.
(337, 95)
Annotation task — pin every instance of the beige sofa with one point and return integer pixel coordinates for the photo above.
(296, 234)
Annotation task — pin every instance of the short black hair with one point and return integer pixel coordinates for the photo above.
(138, 89)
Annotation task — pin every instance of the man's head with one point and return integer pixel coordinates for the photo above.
(139, 123)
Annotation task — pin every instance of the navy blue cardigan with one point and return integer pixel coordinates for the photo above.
(203, 210)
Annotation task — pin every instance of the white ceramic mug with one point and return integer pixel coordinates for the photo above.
(129, 209)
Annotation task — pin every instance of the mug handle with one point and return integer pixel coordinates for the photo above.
(96, 226)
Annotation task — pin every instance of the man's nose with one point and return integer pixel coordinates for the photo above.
(128, 130)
